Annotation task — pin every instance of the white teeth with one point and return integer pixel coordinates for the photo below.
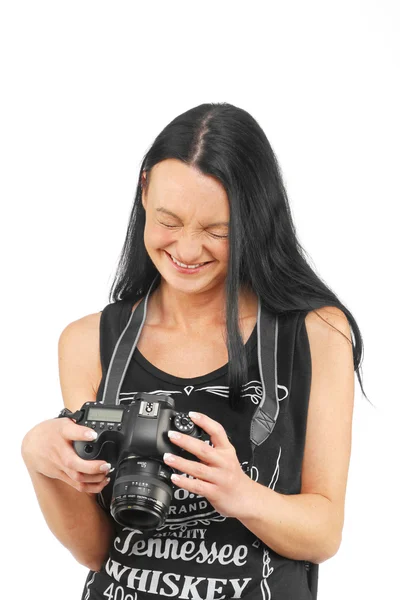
(185, 266)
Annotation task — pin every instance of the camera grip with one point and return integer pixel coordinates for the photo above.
(98, 450)
(86, 450)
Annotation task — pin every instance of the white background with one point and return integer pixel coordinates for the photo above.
(85, 88)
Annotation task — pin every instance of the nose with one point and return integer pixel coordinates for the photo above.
(188, 250)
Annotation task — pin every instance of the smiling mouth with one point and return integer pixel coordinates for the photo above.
(182, 265)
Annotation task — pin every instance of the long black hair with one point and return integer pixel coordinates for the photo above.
(226, 142)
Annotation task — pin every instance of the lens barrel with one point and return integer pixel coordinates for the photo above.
(142, 493)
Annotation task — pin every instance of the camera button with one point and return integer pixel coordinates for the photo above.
(111, 426)
(119, 427)
(101, 426)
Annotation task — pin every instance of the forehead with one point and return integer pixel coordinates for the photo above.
(178, 187)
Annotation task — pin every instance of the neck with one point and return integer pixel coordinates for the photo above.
(177, 310)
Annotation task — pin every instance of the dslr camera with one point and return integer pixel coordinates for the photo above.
(132, 437)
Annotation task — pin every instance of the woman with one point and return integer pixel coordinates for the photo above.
(212, 238)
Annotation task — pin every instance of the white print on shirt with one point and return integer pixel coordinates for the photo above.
(173, 585)
(171, 548)
(252, 390)
(267, 570)
(88, 584)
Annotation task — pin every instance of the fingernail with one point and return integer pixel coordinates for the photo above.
(174, 435)
(91, 435)
(193, 415)
(169, 457)
(108, 480)
(105, 467)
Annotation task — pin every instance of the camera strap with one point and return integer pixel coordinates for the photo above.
(266, 414)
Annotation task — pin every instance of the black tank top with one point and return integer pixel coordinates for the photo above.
(199, 553)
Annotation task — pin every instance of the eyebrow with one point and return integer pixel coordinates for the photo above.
(168, 212)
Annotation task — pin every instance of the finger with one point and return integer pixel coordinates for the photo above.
(196, 486)
(204, 452)
(72, 431)
(92, 488)
(84, 477)
(191, 467)
(73, 462)
(215, 430)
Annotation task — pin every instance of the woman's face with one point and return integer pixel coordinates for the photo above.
(187, 217)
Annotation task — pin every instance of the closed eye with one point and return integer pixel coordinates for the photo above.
(169, 225)
(212, 234)
(219, 236)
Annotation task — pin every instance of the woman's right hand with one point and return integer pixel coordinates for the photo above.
(47, 448)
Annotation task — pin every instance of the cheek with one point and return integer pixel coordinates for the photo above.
(156, 237)
(221, 252)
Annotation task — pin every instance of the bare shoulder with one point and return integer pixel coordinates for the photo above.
(330, 411)
(327, 320)
(79, 360)
(82, 331)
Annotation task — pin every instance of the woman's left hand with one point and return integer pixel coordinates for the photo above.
(219, 476)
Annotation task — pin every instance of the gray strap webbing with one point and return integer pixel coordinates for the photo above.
(123, 351)
(266, 415)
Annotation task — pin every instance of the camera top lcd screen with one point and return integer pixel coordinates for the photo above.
(112, 415)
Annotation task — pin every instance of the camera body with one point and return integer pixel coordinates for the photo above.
(138, 427)
(132, 437)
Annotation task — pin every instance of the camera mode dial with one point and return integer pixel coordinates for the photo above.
(183, 423)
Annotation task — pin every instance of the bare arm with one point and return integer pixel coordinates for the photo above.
(65, 485)
(75, 519)
(308, 526)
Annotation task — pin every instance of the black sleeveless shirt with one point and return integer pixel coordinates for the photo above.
(199, 553)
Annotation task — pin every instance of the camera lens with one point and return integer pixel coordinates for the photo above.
(142, 493)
